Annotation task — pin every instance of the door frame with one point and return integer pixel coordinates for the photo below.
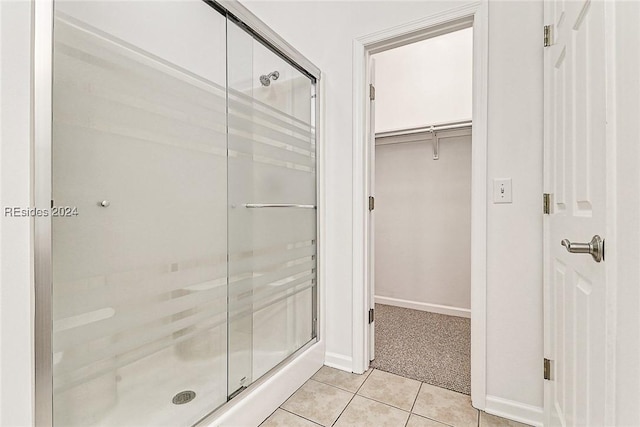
(468, 15)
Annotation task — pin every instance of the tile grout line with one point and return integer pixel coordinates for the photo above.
(414, 404)
(263, 421)
(387, 403)
(344, 409)
(298, 415)
(285, 401)
(437, 421)
(433, 419)
(352, 397)
(428, 417)
(328, 385)
(379, 401)
(442, 422)
(365, 380)
(336, 386)
(416, 399)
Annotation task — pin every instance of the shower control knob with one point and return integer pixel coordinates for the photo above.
(104, 203)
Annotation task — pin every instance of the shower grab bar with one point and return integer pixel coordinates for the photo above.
(277, 205)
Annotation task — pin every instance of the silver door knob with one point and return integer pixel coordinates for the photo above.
(595, 248)
(104, 203)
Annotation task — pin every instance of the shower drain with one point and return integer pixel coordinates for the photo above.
(184, 397)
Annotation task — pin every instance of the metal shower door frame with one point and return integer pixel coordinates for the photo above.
(43, 18)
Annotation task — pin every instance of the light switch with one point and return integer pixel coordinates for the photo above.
(502, 190)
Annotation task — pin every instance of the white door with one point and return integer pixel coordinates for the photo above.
(372, 225)
(575, 175)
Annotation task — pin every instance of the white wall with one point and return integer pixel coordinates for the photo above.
(423, 224)
(425, 83)
(323, 31)
(16, 284)
(514, 270)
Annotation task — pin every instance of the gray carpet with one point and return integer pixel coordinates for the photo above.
(428, 347)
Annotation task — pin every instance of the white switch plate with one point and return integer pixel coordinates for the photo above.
(502, 190)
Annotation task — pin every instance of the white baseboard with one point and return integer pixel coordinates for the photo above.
(250, 409)
(516, 411)
(339, 361)
(424, 306)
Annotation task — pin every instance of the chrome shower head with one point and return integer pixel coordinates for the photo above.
(265, 79)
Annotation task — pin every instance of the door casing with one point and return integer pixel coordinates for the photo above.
(469, 15)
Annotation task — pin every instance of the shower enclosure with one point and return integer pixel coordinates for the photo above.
(183, 235)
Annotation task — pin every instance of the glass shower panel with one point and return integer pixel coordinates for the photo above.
(272, 214)
(140, 273)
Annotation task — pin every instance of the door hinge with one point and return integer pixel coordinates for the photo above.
(546, 203)
(372, 92)
(372, 315)
(547, 369)
(372, 203)
(548, 35)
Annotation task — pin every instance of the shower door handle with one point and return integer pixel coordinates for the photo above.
(595, 248)
(277, 205)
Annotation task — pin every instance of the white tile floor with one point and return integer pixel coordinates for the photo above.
(376, 398)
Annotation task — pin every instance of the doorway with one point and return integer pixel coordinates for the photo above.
(468, 16)
(421, 221)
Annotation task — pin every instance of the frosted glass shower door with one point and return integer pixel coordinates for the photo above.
(140, 274)
(272, 215)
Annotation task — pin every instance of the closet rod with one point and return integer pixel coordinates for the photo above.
(432, 128)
